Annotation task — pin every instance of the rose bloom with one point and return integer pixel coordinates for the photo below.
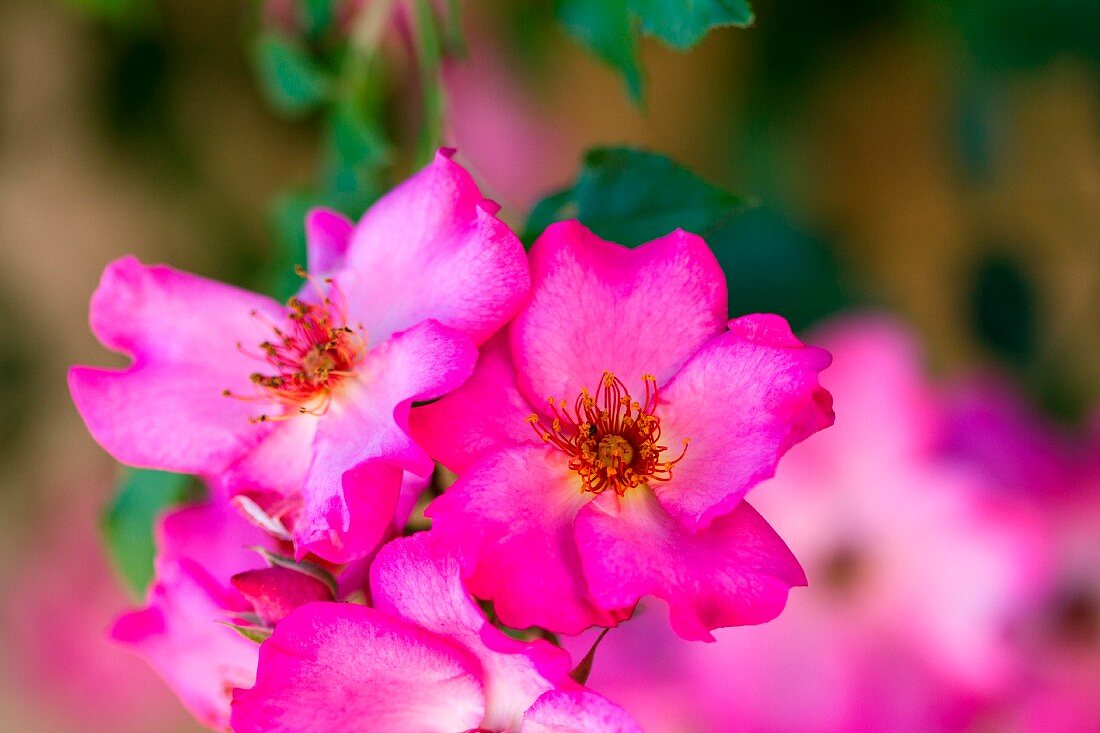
(605, 443)
(1057, 629)
(303, 408)
(424, 658)
(916, 572)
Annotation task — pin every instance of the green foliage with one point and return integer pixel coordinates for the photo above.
(611, 27)
(773, 266)
(683, 23)
(1003, 309)
(632, 196)
(606, 27)
(127, 524)
(293, 81)
(118, 12)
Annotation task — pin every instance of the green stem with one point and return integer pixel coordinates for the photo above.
(429, 64)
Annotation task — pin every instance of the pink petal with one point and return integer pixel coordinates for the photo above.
(350, 522)
(511, 516)
(215, 536)
(577, 712)
(486, 413)
(278, 464)
(178, 634)
(328, 234)
(419, 579)
(334, 667)
(597, 306)
(735, 572)
(275, 592)
(167, 410)
(362, 442)
(432, 248)
(742, 400)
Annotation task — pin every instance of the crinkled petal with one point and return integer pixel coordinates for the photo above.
(328, 234)
(597, 306)
(742, 400)
(167, 409)
(433, 248)
(735, 572)
(558, 711)
(511, 517)
(180, 636)
(485, 414)
(343, 668)
(362, 444)
(419, 579)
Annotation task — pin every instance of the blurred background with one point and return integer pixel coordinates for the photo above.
(923, 189)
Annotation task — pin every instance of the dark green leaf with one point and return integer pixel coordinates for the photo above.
(293, 81)
(774, 266)
(128, 522)
(611, 27)
(318, 16)
(683, 23)
(1004, 309)
(605, 26)
(631, 196)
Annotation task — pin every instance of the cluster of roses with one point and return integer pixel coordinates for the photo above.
(603, 416)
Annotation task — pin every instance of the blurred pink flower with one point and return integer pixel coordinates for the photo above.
(304, 408)
(512, 143)
(571, 525)
(57, 657)
(990, 424)
(423, 659)
(1058, 629)
(915, 570)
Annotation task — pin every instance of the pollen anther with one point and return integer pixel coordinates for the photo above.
(308, 358)
(612, 441)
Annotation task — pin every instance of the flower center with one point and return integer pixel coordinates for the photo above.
(612, 440)
(310, 354)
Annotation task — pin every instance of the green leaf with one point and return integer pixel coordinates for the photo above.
(611, 27)
(318, 16)
(605, 26)
(683, 23)
(292, 80)
(258, 634)
(632, 196)
(127, 524)
(773, 265)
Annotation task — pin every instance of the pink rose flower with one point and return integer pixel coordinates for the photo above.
(304, 407)
(917, 571)
(423, 659)
(182, 631)
(652, 417)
